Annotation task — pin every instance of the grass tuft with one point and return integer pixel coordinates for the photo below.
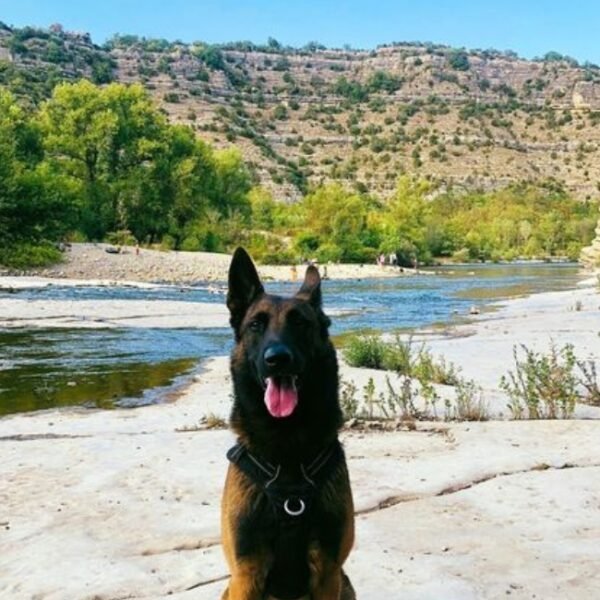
(402, 356)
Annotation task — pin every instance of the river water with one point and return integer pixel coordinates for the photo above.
(44, 368)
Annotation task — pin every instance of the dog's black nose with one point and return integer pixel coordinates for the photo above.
(277, 356)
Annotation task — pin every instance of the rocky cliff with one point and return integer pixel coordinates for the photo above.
(476, 119)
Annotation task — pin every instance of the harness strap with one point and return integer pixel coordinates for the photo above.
(293, 498)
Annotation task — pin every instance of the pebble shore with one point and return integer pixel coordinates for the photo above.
(92, 261)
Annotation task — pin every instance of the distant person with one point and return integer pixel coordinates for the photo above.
(137, 249)
(393, 259)
(294, 273)
(382, 259)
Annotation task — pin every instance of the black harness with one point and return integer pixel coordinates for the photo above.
(290, 490)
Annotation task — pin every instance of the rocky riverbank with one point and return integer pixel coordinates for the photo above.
(92, 261)
(129, 498)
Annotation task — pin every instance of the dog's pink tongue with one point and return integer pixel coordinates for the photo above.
(281, 396)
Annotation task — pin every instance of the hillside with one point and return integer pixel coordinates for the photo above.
(476, 119)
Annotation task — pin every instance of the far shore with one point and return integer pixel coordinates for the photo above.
(92, 262)
(97, 264)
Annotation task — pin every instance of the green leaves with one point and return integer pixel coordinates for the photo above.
(136, 171)
(542, 386)
(102, 159)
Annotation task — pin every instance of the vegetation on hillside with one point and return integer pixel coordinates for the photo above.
(479, 119)
(102, 162)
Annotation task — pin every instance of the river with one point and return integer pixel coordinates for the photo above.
(43, 368)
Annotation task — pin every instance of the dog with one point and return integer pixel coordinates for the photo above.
(287, 514)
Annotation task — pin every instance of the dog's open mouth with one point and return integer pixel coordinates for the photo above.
(281, 395)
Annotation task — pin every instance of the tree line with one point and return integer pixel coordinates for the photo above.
(418, 223)
(103, 163)
(94, 161)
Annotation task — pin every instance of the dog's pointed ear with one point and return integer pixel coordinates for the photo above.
(244, 286)
(311, 287)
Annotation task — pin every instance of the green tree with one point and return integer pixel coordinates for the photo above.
(459, 60)
(339, 219)
(36, 204)
(406, 219)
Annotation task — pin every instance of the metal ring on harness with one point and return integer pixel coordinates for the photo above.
(290, 511)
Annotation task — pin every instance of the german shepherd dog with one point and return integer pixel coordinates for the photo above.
(287, 511)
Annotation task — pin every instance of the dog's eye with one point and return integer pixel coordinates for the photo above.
(256, 325)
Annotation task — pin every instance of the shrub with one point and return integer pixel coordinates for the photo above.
(542, 386)
(401, 356)
(191, 243)
(400, 401)
(348, 400)
(123, 237)
(589, 381)
(468, 403)
(24, 256)
(280, 112)
(367, 351)
(168, 242)
(406, 253)
(427, 368)
(461, 256)
(329, 253)
(459, 60)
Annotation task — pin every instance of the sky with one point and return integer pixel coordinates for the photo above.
(529, 27)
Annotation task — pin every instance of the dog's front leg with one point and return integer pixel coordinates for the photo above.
(329, 585)
(246, 583)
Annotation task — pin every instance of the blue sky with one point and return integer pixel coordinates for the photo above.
(530, 27)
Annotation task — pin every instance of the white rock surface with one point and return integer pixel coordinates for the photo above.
(119, 504)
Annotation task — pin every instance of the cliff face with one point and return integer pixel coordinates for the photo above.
(474, 119)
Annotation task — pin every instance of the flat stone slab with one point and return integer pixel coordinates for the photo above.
(125, 504)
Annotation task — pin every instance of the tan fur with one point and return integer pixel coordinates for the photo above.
(248, 576)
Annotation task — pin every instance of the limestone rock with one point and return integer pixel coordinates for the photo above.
(590, 256)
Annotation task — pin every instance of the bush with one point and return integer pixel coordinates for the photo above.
(280, 112)
(461, 256)
(25, 256)
(459, 60)
(368, 351)
(427, 368)
(589, 381)
(123, 237)
(400, 402)
(403, 357)
(168, 242)
(280, 257)
(307, 243)
(468, 403)
(329, 253)
(191, 243)
(542, 386)
(269, 250)
(406, 253)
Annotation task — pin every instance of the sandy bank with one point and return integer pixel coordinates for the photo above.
(111, 313)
